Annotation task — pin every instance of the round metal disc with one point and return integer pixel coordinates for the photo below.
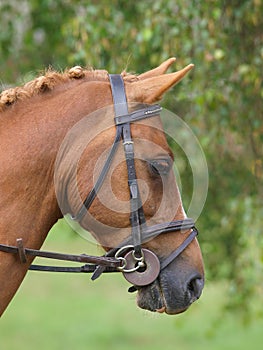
(143, 276)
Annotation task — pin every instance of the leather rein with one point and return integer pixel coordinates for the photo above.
(139, 266)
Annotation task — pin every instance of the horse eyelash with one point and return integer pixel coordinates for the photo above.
(158, 167)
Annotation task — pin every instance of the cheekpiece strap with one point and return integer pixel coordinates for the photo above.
(121, 109)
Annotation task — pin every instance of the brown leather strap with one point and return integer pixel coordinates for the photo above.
(87, 268)
(82, 258)
(180, 249)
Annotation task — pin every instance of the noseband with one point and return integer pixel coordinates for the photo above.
(140, 266)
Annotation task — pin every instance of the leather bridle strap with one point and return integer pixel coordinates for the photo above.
(93, 193)
(118, 95)
(121, 109)
(83, 258)
(165, 262)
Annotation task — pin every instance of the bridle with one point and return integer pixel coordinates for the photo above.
(140, 266)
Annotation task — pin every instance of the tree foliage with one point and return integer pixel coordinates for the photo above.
(221, 100)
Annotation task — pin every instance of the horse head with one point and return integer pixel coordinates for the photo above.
(81, 160)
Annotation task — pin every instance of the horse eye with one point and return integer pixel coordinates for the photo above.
(160, 166)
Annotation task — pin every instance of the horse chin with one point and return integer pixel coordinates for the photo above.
(155, 298)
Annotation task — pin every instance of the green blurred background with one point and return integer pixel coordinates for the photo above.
(221, 100)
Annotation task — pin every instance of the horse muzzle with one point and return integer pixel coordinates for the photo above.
(175, 289)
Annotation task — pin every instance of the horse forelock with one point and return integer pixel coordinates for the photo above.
(52, 79)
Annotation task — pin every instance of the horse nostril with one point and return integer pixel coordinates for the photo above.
(195, 287)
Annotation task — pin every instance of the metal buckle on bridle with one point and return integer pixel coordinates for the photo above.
(130, 142)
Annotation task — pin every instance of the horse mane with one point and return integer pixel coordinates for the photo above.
(52, 79)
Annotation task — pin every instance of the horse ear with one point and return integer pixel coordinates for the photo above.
(152, 89)
(158, 70)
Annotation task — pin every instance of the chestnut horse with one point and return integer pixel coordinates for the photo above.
(34, 121)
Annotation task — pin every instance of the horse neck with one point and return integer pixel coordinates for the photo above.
(30, 135)
(26, 180)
